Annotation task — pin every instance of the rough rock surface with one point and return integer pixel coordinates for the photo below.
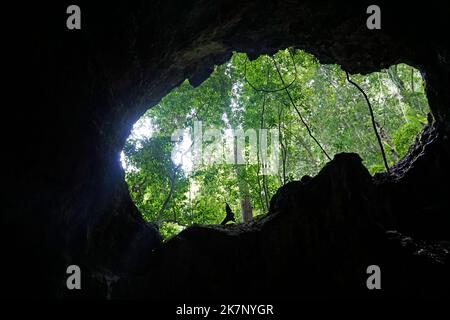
(317, 241)
(79, 92)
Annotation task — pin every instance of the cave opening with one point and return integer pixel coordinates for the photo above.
(255, 125)
(78, 94)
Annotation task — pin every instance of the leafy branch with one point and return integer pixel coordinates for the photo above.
(298, 112)
(374, 124)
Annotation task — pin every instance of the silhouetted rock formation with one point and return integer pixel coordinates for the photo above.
(229, 215)
(317, 241)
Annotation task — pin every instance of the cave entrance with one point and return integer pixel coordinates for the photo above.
(253, 126)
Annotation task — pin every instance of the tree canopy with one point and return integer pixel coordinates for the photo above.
(311, 111)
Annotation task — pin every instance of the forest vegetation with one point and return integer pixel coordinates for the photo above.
(314, 109)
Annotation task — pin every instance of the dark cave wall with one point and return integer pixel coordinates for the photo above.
(79, 92)
(316, 242)
(415, 196)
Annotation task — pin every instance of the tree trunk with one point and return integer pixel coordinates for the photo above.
(246, 209)
(246, 205)
(407, 97)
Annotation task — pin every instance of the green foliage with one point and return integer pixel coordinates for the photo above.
(336, 113)
(404, 137)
